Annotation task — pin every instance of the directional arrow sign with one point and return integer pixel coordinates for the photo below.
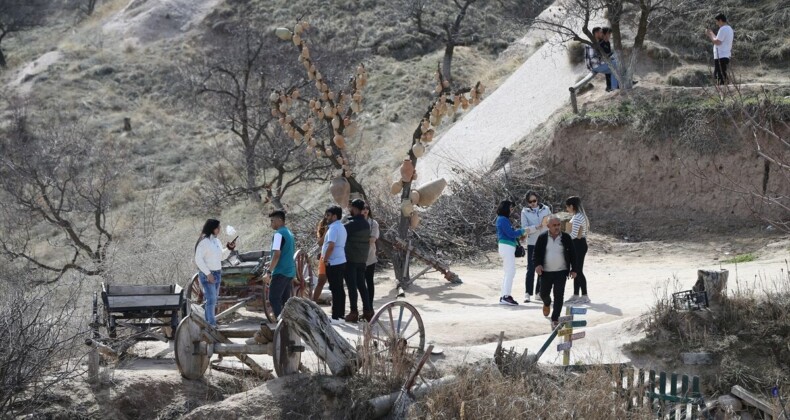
(564, 332)
(565, 318)
(577, 336)
(578, 323)
(564, 346)
(578, 311)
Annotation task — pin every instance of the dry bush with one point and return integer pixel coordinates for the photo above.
(539, 394)
(40, 344)
(575, 53)
(747, 333)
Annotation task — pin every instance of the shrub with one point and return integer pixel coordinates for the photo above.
(575, 53)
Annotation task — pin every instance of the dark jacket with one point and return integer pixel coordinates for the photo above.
(358, 242)
(539, 255)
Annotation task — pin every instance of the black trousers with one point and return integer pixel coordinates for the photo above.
(580, 282)
(355, 282)
(334, 275)
(369, 272)
(720, 70)
(553, 280)
(279, 292)
(530, 281)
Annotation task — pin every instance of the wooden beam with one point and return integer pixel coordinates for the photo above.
(754, 401)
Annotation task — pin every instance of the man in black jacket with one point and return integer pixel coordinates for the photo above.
(554, 259)
(357, 247)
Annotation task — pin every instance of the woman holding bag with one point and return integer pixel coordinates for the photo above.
(507, 237)
(533, 218)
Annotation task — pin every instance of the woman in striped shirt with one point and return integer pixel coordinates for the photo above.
(580, 227)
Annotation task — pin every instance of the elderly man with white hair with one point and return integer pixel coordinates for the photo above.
(555, 260)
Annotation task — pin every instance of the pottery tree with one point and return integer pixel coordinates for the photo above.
(336, 109)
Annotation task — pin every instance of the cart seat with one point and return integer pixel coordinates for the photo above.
(252, 255)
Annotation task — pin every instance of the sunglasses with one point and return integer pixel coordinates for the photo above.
(533, 201)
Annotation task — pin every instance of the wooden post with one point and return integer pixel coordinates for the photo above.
(714, 282)
(93, 366)
(310, 322)
(127, 124)
(566, 354)
(573, 100)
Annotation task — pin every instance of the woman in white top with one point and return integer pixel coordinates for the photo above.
(580, 227)
(370, 268)
(208, 257)
(533, 218)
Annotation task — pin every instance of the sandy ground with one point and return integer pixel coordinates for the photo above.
(624, 281)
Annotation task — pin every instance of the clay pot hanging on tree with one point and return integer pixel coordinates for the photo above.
(406, 170)
(431, 191)
(340, 189)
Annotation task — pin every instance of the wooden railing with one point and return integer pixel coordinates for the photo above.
(575, 88)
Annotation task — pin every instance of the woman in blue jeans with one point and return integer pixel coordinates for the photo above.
(208, 257)
(533, 219)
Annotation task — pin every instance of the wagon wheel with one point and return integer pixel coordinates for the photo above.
(288, 349)
(303, 283)
(396, 339)
(191, 363)
(194, 291)
(267, 306)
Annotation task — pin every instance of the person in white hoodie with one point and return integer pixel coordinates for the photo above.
(533, 219)
(208, 257)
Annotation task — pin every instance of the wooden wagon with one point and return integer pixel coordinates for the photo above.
(243, 283)
(125, 314)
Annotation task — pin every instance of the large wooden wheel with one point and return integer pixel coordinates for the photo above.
(288, 349)
(396, 338)
(303, 283)
(190, 359)
(194, 290)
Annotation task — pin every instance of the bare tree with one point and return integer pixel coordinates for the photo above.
(234, 84)
(20, 15)
(442, 21)
(573, 23)
(56, 180)
(39, 342)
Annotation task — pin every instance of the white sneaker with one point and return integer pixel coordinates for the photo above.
(573, 299)
(527, 298)
(583, 299)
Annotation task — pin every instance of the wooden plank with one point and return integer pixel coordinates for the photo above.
(575, 324)
(651, 385)
(577, 336)
(566, 318)
(564, 346)
(139, 290)
(641, 387)
(132, 302)
(754, 400)
(673, 390)
(564, 332)
(578, 311)
(684, 386)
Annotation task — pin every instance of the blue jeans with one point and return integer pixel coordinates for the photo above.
(604, 68)
(530, 282)
(279, 292)
(210, 294)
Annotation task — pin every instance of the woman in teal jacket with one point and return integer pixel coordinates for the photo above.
(507, 237)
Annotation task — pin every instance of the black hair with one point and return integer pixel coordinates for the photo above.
(335, 210)
(208, 229)
(278, 213)
(596, 30)
(503, 209)
(606, 30)
(576, 203)
(721, 17)
(370, 212)
(358, 204)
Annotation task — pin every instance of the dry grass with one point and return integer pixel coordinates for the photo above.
(746, 333)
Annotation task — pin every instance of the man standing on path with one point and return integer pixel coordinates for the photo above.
(722, 48)
(334, 254)
(555, 259)
(283, 262)
(357, 248)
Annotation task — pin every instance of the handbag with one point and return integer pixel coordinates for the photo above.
(520, 251)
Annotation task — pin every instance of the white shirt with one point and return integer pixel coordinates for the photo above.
(374, 233)
(336, 233)
(277, 241)
(578, 226)
(725, 35)
(555, 255)
(208, 255)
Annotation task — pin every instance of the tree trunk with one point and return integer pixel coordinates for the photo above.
(615, 13)
(447, 61)
(714, 282)
(249, 156)
(2, 59)
(310, 322)
(641, 31)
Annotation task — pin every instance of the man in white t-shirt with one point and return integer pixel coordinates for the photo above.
(722, 48)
